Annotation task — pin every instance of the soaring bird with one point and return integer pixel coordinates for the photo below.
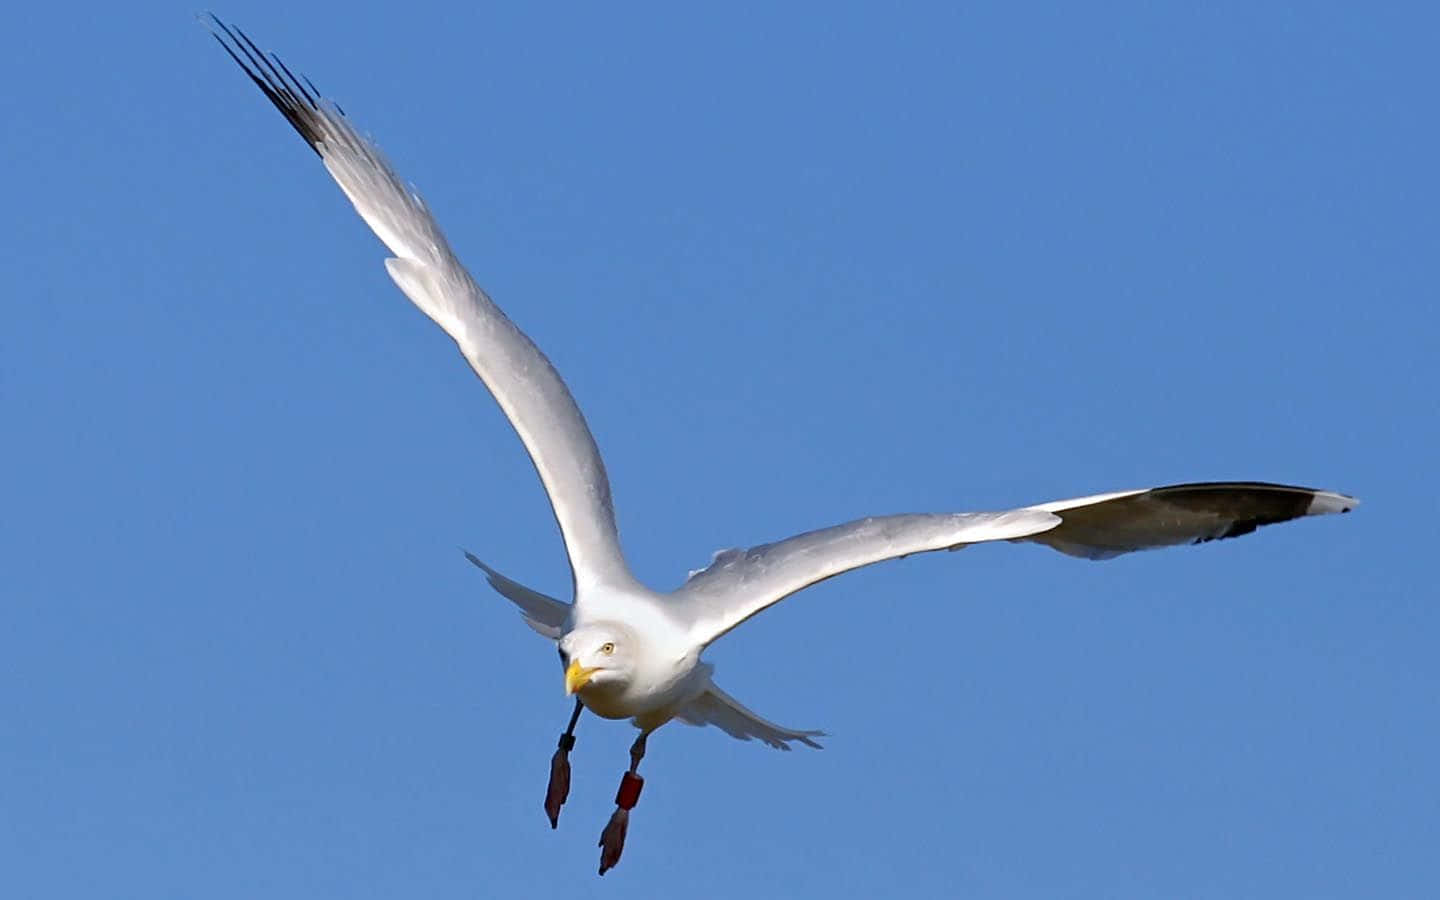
(628, 652)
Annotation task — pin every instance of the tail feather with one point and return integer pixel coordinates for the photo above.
(544, 614)
(715, 707)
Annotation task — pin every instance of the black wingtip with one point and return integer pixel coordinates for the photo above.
(295, 97)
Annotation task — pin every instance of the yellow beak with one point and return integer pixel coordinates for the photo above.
(576, 677)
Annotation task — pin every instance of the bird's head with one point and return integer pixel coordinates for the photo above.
(600, 656)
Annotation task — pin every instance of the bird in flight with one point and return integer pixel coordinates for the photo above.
(628, 652)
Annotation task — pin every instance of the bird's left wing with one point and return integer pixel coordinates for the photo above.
(740, 583)
(522, 381)
(1108, 525)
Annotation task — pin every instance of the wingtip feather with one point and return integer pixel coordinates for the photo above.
(1325, 502)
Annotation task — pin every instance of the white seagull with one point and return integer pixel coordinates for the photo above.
(629, 652)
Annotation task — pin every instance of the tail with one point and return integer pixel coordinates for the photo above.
(545, 615)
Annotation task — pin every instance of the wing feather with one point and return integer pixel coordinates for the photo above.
(740, 583)
(1108, 525)
(520, 377)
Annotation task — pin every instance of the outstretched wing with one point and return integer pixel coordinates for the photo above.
(518, 375)
(715, 707)
(740, 583)
(1106, 525)
(543, 613)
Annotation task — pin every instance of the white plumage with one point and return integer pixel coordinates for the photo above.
(631, 652)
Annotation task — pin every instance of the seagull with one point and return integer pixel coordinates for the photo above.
(628, 652)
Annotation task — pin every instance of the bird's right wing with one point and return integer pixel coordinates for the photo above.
(527, 387)
(715, 707)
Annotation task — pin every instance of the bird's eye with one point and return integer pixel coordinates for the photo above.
(561, 651)
(607, 648)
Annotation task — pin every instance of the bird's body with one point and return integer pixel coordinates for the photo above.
(651, 674)
(633, 653)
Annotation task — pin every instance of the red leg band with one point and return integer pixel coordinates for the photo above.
(629, 793)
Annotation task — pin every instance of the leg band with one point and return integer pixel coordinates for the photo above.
(629, 793)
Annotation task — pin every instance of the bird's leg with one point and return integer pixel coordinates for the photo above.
(612, 839)
(637, 752)
(559, 787)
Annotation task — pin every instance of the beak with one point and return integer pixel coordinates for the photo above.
(576, 677)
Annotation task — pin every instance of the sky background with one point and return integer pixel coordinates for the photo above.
(798, 265)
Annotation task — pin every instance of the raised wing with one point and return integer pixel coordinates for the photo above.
(543, 613)
(1107, 525)
(715, 707)
(740, 583)
(518, 375)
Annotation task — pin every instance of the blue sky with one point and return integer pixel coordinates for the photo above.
(798, 266)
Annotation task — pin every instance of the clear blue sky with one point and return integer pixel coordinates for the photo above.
(798, 267)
